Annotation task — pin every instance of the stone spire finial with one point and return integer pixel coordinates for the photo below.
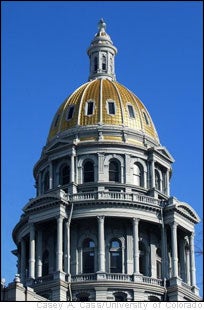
(101, 25)
(102, 53)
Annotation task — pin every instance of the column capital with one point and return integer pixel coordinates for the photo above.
(192, 235)
(135, 220)
(59, 218)
(173, 224)
(101, 218)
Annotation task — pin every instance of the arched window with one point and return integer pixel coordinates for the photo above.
(115, 256)
(45, 263)
(158, 263)
(114, 171)
(88, 256)
(46, 181)
(64, 175)
(138, 173)
(157, 180)
(104, 63)
(142, 258)
(89, 171)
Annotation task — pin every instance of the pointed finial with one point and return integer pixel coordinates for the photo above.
(101, 25)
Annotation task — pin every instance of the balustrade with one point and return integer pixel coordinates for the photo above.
(100, 195)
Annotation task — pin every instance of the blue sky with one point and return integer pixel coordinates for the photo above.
(44, 60)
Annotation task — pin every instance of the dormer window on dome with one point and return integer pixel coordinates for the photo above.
(70, 112)
(131, 110)
(89, 108)
(111, 108)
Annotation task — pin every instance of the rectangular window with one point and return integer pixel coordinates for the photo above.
(146, 119)
(111, 107)
(131, 111)
(70, 112)
(90, 108)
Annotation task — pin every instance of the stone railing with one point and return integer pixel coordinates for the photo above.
(148, 280)
(118, 277)
(106, 195)
(84, 277)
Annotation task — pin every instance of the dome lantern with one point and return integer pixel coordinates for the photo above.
(102, 55)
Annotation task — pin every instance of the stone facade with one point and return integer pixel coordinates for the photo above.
(103, 226)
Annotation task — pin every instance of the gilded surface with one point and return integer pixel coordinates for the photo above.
(100, 91)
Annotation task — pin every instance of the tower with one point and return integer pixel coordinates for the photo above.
(103, 225)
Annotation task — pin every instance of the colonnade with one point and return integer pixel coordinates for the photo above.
(35, 250)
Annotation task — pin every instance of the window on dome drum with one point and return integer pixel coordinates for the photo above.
(88, 172)
(138, 174)
(146, 118)
(70, 112)
(89, 108)
(111, 107)
(115, 256)
(104, 63)
(157, 180)
(95, 64)
(88, 256)
(45, 263)
(64, 175)
(46, 181)
(131, 111)
(114, 171)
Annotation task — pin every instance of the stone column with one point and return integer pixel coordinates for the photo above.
(67, 247)
(174, 249)
(73, 154)
(23, 260)
(192, 261)
(188, 278)
(164, 251)
(59, 253)
(32, 252)
(136, 245)
(39, 254)
(101, 244)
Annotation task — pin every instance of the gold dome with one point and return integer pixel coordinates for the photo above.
(103, 102)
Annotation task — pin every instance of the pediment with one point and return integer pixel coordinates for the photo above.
(187, 210)
(165, 152)
(45, 200)
(56, 144)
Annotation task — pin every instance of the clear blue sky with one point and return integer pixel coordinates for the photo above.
(44, 60)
